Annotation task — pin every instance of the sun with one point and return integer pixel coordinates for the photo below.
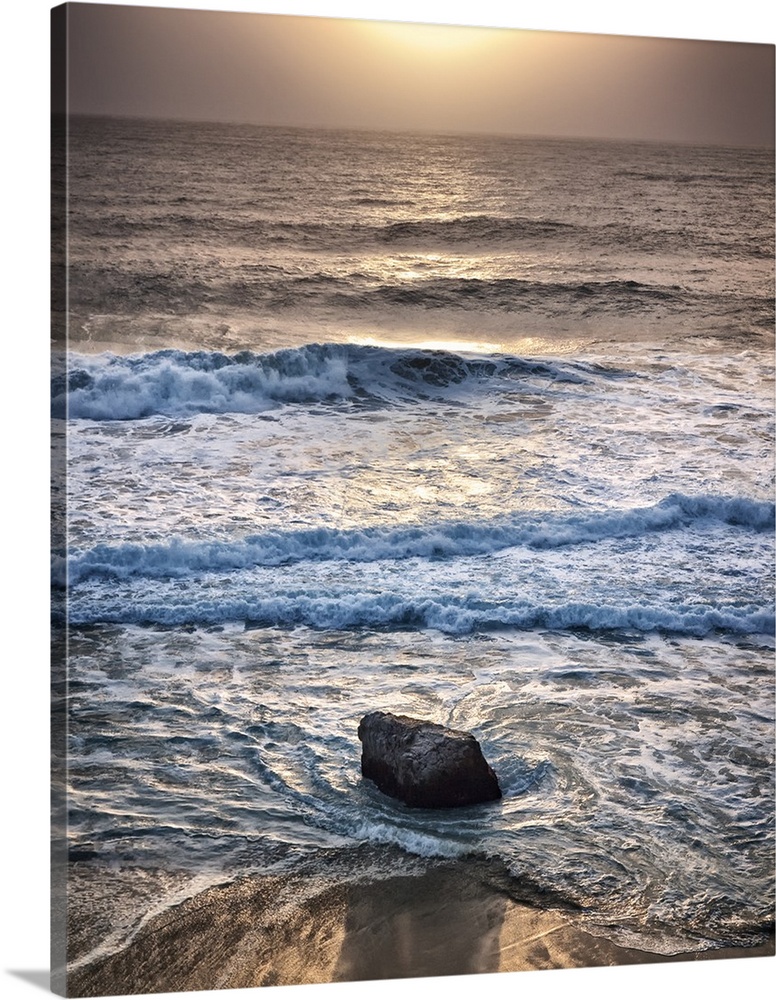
(434, 39)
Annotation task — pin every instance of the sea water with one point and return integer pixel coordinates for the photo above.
(473, 428)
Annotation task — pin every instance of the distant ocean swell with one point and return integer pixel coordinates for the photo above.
(179, 383)
(174, 290)
(325, 235)
(511, 294)
(180, 558)
(482, 231)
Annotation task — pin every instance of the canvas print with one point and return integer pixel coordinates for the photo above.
(413, 520)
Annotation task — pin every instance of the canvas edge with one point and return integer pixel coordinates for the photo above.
(58, 513)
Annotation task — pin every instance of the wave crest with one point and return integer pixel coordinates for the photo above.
(448, 614)
(445, 540)
(181, 383)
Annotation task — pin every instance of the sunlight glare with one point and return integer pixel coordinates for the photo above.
(435, 39)
(422, 343)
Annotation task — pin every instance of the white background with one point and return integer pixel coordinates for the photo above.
(24, 255)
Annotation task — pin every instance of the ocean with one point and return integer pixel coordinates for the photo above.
(477, 429)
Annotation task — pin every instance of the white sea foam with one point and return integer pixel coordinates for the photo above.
(174, 383)
(183, 558)
(179, 383)
(427, 845)
(446, 613)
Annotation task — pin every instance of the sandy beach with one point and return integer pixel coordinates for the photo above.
(454, 919)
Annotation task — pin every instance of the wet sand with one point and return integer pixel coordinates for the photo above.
(282, 930)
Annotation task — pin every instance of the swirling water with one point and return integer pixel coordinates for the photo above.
(479, 430)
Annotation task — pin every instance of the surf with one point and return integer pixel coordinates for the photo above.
(181, 383)
(181, 557)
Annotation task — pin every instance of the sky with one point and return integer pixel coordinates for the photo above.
(335, 72)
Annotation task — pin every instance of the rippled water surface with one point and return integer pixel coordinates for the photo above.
(480, 431)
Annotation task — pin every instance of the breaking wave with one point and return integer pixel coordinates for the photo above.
(180, 383)
(449, 614)
(180, 558)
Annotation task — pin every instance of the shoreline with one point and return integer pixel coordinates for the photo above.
(315, 927)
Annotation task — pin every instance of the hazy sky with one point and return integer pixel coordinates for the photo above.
(274, 69)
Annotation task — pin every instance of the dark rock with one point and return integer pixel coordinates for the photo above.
(423, 764)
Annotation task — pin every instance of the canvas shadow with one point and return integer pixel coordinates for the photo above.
(36, 977)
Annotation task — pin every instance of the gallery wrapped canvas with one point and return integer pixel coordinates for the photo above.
(411, 405)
